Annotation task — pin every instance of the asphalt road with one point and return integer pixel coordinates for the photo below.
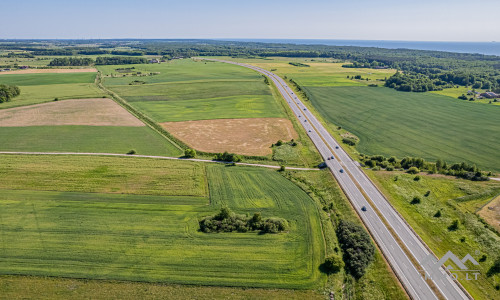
(356, 186)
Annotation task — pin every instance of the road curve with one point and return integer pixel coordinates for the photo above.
(358, 187)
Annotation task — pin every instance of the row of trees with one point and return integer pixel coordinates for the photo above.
(414, 165)
(71, 61)
(228, 221)
(7, 92)
(119, 60)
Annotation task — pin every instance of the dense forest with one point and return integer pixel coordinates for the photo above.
(420, 70)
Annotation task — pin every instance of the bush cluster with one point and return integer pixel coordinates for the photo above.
(229, 157)
(189, 153)
(7, 92)
(349, 141)
(228, 221)
(357, 247)
(414, 165)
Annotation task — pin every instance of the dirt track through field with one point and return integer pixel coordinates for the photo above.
(37, 71)
(242, 136)
(491, 213)
(90, 112)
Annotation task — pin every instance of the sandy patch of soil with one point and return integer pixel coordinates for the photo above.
(36, 71)
(491, 213)
(91, 112)
(242, 136)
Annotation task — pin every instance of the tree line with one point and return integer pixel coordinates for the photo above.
(71, 61)
(414, 165)
(426, 70)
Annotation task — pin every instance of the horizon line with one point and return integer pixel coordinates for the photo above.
(255, 39)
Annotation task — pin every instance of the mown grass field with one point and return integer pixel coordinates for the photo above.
(101, 139)
(154, 238)
(414, 124)
(187, 90)
(457, 200)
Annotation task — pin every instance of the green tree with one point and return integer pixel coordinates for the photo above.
(190, 153)
(413, 170)
(333, 264)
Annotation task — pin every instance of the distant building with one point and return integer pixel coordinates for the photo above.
(154, 61)
(490, 95)
(23, 67)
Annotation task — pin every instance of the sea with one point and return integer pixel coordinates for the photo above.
(488, 48)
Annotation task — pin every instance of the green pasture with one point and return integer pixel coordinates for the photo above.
(103, 174)
(190, 90)
(46, 78)
(112, 139)
(178, 71)
(17, 287)
(425, 125)
(34, 94)
(322, 72)
(243, 106)
(153, 238)
(194, 90)
(453, 198)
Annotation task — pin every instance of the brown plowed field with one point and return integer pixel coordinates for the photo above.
(242, 136)
(91, 112)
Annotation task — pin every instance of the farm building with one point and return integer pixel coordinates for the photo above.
(490, 95)
(154, 61)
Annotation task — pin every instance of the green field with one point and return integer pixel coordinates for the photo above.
(17, 287)
(102, 139)
(155, 238)
(457, 200)
(34, 94)
(322, 71)
(44, 87)
(415, 124)
(232, 107)
(189, 90)
(46, 78)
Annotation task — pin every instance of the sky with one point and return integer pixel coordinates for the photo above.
(407, 20)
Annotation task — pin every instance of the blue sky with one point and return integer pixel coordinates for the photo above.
(422, 20)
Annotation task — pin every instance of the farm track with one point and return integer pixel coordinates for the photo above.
(154, 157)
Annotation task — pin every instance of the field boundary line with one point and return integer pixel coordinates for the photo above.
(155, 157)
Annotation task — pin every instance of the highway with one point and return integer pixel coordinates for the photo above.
(397, 241)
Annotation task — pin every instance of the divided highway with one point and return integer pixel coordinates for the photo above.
(391, 232)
